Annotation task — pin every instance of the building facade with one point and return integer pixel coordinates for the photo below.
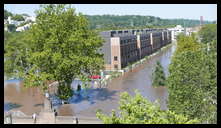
(124, 47)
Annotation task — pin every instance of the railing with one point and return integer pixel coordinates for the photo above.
(65, 120)
(58, 120)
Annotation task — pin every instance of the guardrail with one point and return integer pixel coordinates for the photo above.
(58, 120)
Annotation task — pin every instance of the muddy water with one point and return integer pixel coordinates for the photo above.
(19, 98)
(105, 99)
(140, 79)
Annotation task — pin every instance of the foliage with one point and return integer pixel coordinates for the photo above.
(15, 52)
(6, 37)
(18, 17)
(107, 22)
(11, 27)
(137, 110)
(187, 43)
(208, 33)
(64, 91)
(192, 80)
(211, 91)
(25, 14)
(159, 78)
(7, 14)
(24, 23)
(59, 47)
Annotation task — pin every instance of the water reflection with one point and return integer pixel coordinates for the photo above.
(8, 106)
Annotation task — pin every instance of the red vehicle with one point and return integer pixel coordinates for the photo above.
(95, 77)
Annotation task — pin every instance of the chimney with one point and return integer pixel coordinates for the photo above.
(201, 20)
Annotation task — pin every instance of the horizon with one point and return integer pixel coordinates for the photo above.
(171, 11)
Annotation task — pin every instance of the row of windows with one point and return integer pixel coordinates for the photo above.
(144, 37)
(133, 40)
(145, 43)
(129, 58)
(125, 51)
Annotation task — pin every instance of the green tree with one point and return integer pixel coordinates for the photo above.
(108, 22)
(7, 14)
(208, 33)
(11, 27)
(59, 47)
(192, 80)
(15, 52)
(159, 78)
(210, 99)
(64, 91)
(138, 110)
(25, 14)
(18, 17)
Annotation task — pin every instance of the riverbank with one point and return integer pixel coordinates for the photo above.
(119, 73)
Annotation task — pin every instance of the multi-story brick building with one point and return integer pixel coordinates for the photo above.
(127, 46)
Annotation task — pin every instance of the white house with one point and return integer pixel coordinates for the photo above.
(175, 31)
(23, 28)
(31, 18)
(16, 23)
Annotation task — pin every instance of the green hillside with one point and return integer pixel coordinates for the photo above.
(136, 21)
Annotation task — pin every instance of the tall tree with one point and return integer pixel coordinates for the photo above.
(138, 110)
(208, 33)
(7, 14)
(60, 48)
(159, 78)
(15, 52)
(192, 81)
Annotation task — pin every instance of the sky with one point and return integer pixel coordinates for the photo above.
(168, 11)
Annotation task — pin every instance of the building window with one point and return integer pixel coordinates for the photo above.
(115, 58)
(116, 66)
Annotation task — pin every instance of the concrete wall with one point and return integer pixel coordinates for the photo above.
(106, 48)
(115, 51)
(22, 120)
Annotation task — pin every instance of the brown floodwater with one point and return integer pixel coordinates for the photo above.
(31, 100)
(19, 98)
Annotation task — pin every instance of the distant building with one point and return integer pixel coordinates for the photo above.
(123, 47)
(23, 28)
(175, 31)
(31, 18)
(16, 23)
(201, 20)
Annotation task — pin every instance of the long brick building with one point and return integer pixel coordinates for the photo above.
(123, 47)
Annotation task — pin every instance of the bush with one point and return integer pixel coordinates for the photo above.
(159, 76)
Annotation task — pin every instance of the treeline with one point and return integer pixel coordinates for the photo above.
(18, 17)
(136, 21)
(107, 22)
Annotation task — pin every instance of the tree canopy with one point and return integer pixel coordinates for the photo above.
(18, 17)
(59, 47)
(208, 33)
(192, 80)
(159, 78)
(136, 21)
(11, 27)
(7, 14)
(138, 110)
